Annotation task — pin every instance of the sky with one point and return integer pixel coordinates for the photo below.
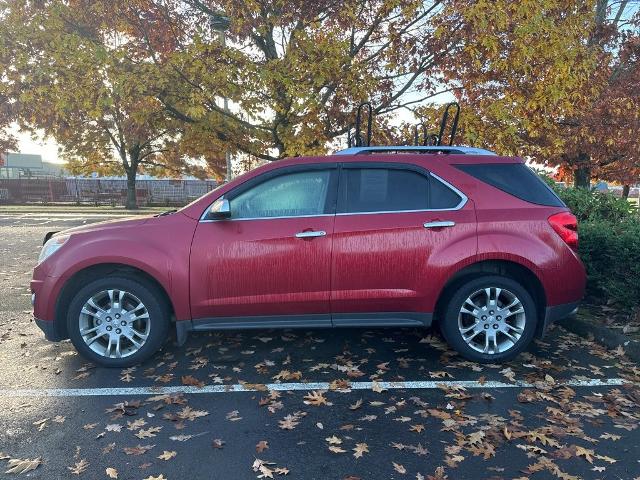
(48, 149)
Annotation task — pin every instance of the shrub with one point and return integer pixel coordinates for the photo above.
(588, 205)
(611, 254)
(609, 229)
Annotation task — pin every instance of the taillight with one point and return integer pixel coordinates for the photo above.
(566, 225)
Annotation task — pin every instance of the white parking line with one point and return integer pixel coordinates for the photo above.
(416, 385)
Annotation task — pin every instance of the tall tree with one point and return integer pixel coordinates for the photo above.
(70, 69)
(556, 80)
(294, 71)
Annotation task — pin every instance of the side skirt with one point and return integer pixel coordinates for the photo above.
(338, 320)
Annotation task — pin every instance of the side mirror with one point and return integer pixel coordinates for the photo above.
(220, 209)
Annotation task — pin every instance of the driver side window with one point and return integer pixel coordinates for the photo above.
(289, 195)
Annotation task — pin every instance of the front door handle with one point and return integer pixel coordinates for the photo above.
(439, 224)
(311, 234)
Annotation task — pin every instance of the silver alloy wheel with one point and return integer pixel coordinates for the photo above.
(492, 320)
(114, 323)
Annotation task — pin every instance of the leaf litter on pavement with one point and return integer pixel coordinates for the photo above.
(550, 429)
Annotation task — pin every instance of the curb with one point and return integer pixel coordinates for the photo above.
(79, 212)
(603, 335)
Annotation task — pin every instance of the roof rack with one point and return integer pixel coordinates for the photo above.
(443, 123)
(357, 138)
(415, 149)
(431, 143)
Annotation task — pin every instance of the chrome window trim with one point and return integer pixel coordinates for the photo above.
(463, 197)
(463, 202)
(204, 220)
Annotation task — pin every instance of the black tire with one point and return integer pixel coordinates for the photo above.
(449, 321)
(152, 298)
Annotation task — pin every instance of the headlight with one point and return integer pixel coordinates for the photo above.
(52, 245)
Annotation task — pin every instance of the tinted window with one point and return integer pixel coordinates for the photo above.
(516, 179)
(441, 196)
(382, 190)
(288, 195)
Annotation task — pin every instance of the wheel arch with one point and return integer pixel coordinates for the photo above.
(508, 268)
(91, 272)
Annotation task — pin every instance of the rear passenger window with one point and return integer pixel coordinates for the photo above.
(516, 179)
(382, 190)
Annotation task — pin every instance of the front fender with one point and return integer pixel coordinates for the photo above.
(160, 248)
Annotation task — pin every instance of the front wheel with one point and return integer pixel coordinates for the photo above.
(490, 319)
(118, 321)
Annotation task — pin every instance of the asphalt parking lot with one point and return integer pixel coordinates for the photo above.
(316, 404)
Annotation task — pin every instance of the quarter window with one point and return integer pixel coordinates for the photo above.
(288, 195)
(382, 190)
(442, 197)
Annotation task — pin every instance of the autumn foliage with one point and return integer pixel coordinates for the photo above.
(139, 85)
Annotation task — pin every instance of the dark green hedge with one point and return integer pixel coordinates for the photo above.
(610, 251)
(609, 231)
(589, 205)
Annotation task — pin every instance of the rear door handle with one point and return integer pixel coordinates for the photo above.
(439, 224)
(311, 234)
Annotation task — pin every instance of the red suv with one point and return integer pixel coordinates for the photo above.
(370, 237)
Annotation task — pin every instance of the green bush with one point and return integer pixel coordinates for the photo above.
(610, 251)
(588, 205)
(609, 229)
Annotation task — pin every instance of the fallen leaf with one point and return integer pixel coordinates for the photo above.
(137, 450)
(399, 468)
(111, 472)
(360, 449)
(167, 455)
(187, 413)
(136, 424)
(217, 443)
(17, 465)
(149, 432)
(79, 468)
(262, 446)
(584, 452)
(376, 387)
(316, 398)
(191, 381)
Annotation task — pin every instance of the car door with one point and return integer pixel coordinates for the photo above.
(394, 226)
(272, 256)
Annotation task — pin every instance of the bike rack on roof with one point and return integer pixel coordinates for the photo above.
(445, 118)
(357, 138)
(432, 143)
(427, 139)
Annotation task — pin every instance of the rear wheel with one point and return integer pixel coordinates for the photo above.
(118, 321)
(490, 319)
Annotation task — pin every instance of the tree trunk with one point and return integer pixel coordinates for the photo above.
(625, 191)
(582, 175)
(131, 203)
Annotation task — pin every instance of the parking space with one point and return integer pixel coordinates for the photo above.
(325, 404)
